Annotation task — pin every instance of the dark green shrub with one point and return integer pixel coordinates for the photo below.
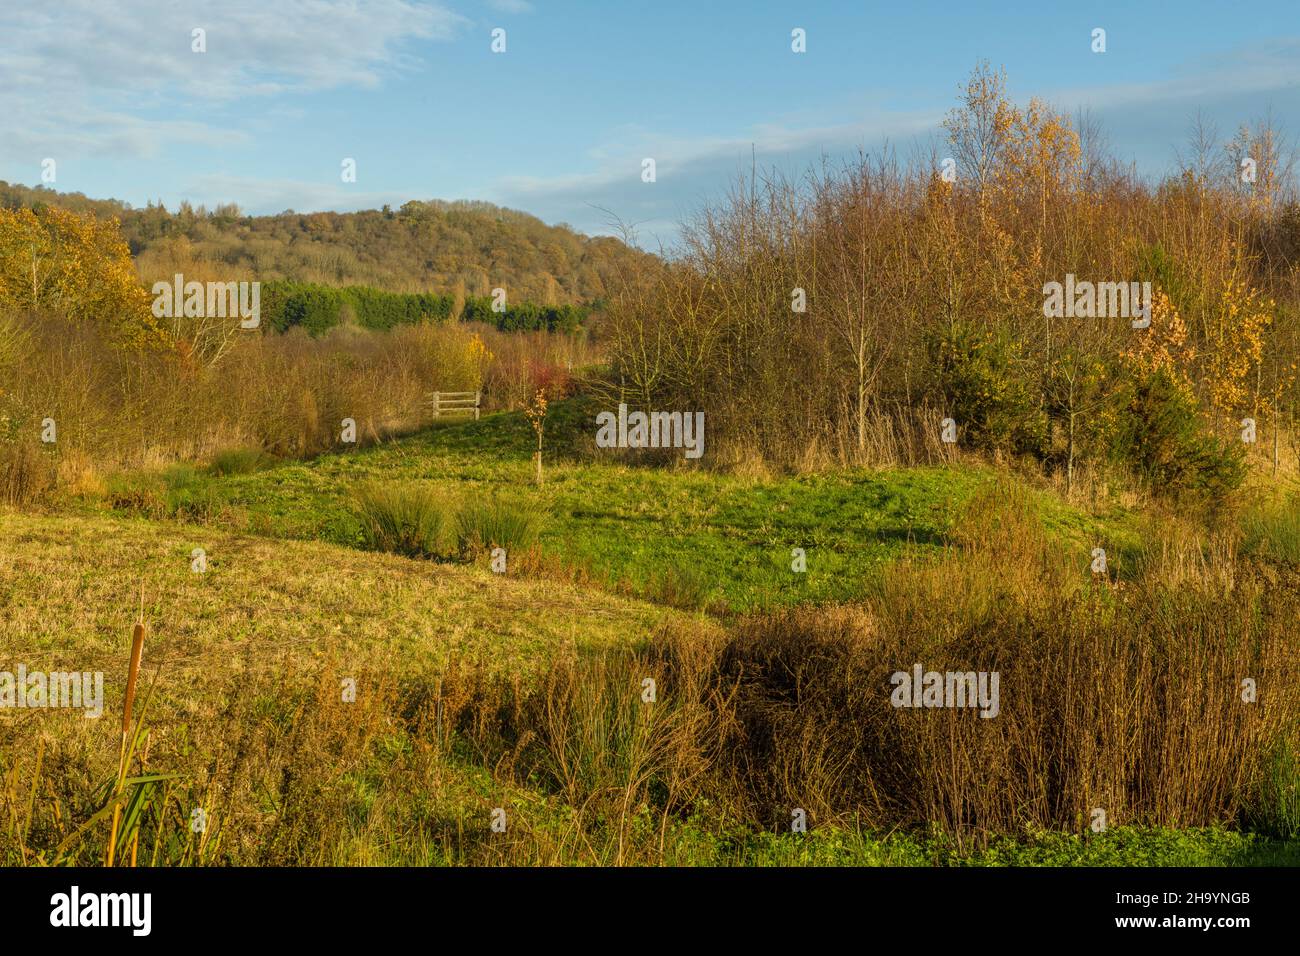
(1157, 433)
(318, 308)
(986, 387)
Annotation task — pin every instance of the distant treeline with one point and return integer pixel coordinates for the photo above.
(316, 308)
(469, 248)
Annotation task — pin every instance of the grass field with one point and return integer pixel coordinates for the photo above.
(717, 540)
(245, 659)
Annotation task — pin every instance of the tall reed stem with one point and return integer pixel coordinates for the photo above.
(137, 648)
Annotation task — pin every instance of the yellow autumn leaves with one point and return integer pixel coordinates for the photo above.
(1163, 347)
(1006, 151)
(1235, 345)
(1229, 364)
(54, 261)
(478, 356)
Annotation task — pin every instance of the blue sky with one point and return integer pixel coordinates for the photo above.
(559, 123)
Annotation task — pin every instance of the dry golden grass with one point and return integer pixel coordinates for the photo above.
(70, 582)
(248, 660)
(477, 692)
(265, 608)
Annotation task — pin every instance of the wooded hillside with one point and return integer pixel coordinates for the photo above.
(466, 248)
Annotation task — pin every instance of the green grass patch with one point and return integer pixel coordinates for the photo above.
(1271, 530)
(239, 461)
(679, 533)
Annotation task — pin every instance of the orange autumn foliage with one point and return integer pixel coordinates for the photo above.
(80, 267)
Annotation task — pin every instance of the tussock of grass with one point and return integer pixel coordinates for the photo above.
(407, 519)
(684, 586)
(483, 525)
(240, 461)
(180, 491)
(1272, 530)
(418, 521)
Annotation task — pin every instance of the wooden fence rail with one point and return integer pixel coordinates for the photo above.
(453, 403)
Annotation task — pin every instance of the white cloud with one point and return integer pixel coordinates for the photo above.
(1146, 118)
(1253, 71)
(620, 155)
(692, 170)
(83, 74)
